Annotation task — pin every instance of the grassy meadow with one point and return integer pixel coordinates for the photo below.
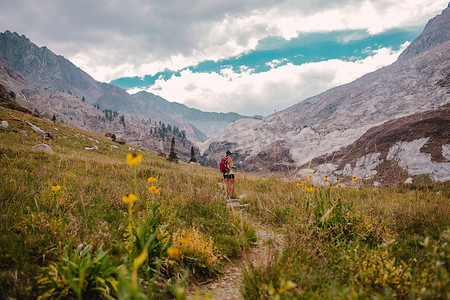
(121, 223)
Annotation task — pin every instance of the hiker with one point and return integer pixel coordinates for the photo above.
(229, 175)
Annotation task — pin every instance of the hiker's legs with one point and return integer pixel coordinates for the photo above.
(226, 187)
(232, 187)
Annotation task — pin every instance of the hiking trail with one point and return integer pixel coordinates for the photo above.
(227, 285)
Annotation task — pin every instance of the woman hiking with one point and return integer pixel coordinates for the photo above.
(229, 175)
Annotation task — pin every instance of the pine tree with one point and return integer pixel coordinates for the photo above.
(172, 155)
(193, 158)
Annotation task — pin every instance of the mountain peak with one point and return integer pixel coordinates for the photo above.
(436, 33)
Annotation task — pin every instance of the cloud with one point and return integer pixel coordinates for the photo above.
(276, 62)
(111, 39)
(262, 93)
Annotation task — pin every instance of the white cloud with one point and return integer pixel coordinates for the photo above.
(373, 16)
(276, 62)
(111, 39)
(262, 93)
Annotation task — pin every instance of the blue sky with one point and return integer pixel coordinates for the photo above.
(311, 47)
(245, 56)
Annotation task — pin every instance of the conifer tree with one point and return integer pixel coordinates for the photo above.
(172, 155)
(193, 158)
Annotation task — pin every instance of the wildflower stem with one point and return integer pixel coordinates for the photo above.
(136, 191)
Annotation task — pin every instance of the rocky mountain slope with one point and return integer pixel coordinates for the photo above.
(16, 93)
(210, 123)
(414, 145)
(336, 118)
(45, 70)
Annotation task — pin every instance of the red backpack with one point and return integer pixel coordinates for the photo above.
(224, 165)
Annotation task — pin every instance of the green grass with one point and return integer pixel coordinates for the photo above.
(347, 242)
(36, 223)
(357, 242)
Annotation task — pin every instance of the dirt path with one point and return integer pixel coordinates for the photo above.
(226, 287)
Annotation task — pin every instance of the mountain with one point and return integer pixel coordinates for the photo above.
(325, 123)
(17, 94)
(435, 34)
(45, 70)
(416, 144)
(210, 123)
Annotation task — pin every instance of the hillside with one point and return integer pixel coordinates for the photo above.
(325, 123)
(210, 123)
(45, 70)
(79, 223)
(71, 110)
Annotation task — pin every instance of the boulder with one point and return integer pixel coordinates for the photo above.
(38, 130)
(43, 147)
(92, 148)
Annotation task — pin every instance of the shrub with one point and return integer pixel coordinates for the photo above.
(195, 252)
(374, 271)
(154, 238)
(431, 277)
(79, 275)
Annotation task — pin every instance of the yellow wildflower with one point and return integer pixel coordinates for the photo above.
(299, 183)
(304, 190)
(325, 178)
(134, 159)
(174, 252)
(184, 239)
(331, 183)
(310, 189)
(309, 175)
(55, 187)
(151, 179)
(354, 178)
(153, 190)
(286, 286)
(129, 198)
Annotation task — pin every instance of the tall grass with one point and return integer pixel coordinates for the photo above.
(354, 242)
(38, 225)
(343, 242)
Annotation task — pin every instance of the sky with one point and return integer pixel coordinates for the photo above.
(253, 57)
